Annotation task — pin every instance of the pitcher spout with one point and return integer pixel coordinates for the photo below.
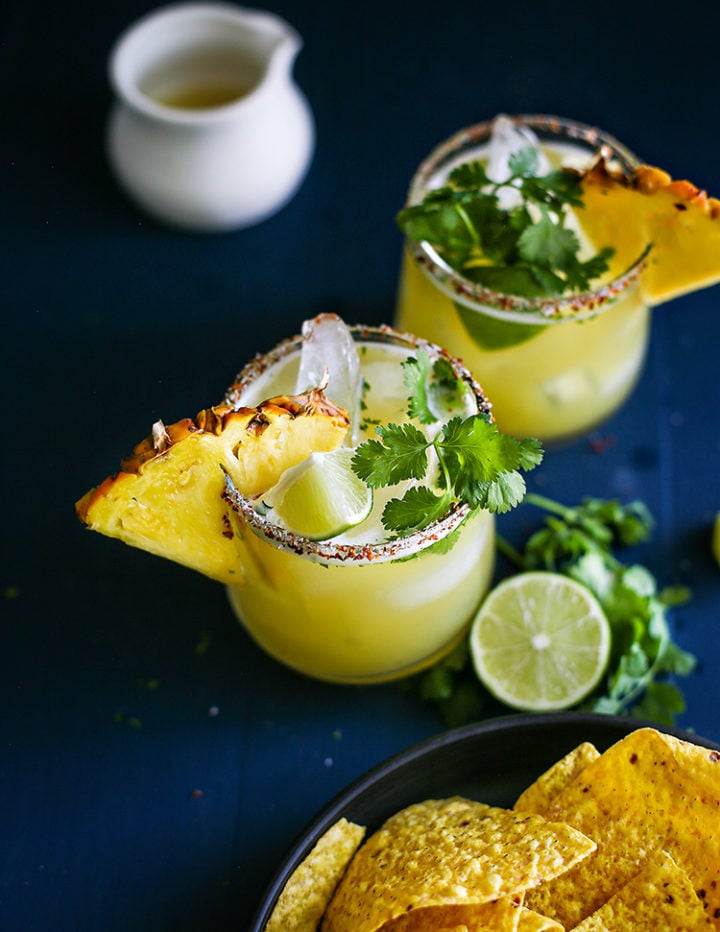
(279, 44)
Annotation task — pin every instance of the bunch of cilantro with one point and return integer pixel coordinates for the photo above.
(524, 250)
(582, 542)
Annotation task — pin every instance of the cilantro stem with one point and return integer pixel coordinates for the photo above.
(556, 508)
(469, 225)
(443, 465)
(508, 551)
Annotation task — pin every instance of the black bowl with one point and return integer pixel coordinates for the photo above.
(491, 761)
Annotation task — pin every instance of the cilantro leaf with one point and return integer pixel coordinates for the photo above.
(555, 190)
(416, 375)
(504, 492)
(594, 266)
(547, 245)
(469, 176)
(447, 391)
(419, 507)
(661, 702)
(521, 280)
(436, 393)
(482, 463)
(453, 688)
(401, 453)
(524, 162)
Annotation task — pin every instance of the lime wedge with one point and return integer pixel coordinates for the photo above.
(716, 539)
(540, 641)
(320, 497)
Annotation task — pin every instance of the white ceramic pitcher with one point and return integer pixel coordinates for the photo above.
(209, 131)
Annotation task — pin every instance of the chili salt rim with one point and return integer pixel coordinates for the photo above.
(520, 309)
(381, 333)
(328, 551)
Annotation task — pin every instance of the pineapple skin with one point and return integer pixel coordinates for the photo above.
(167, 496)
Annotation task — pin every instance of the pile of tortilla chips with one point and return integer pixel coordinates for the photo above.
(624, 840)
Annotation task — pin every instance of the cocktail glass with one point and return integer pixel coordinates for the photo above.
(554, 367)
(364, 609)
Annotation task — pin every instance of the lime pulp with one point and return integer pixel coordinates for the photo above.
(540, 641)
(320, 497)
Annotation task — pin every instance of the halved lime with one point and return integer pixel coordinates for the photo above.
(320, 497)
(540, 641)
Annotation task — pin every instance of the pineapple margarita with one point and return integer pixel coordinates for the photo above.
(343, 491)
(387, 595)
(540, 278)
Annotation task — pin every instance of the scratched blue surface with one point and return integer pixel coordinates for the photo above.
(154, 765)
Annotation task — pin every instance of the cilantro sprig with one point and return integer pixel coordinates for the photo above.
(477, 465)
(583, 542)
(526, 249)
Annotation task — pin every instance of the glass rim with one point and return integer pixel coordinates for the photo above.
(517, 308)
(331, 551)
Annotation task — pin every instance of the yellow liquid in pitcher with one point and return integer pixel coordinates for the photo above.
(203, 96)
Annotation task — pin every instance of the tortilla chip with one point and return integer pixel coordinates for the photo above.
(530, 921)
(660, 897)
(538, 796)
(702, 763)
(453, 929)
(635, 799)
(449, 852)
(496, 916)
(308, 890)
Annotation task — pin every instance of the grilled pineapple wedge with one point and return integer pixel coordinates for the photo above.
(643, 207)
(166, 498)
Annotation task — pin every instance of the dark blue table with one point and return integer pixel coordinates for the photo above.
(154, 765)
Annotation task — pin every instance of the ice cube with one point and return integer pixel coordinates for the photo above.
(329, 352)
(506, 139)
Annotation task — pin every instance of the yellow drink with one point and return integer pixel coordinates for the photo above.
(553, 367)
(556, 385)
(359, 608)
